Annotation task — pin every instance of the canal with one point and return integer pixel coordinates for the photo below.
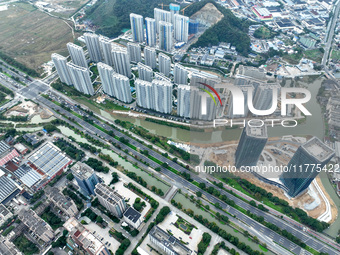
(187, 204)
(312, 126)
(151, 180)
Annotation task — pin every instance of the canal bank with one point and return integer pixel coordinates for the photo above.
(335, 226)
(313, 125)
(187, 204)
(151, 180)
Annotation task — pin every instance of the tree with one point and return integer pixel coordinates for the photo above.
(99, 219)
(203, 244)
(199, 194)
(50, 128)
(138, 206)
(252, 203)
(201, 185)
(115, 178)
(229, 29)
(162, 214)
(70, 177)
(10, 132)
(317, 67)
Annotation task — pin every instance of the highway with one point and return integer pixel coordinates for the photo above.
(19, 74)
(310, 241)
(35, 88)
(177, 179)
(330, 35)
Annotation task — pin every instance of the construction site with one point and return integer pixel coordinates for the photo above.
(315, 201)
(29, 109)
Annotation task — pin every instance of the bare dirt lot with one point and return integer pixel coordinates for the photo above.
(228, 159)
(62, 8)
(31, 36)
(28, 108)
(209, 14)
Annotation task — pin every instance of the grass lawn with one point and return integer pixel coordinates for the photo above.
(76, 114)
(67, 90)
(3, 99)
(233, 183)
(336, 54)
(263, 248)
(94, 106)
(263, 33)
(155, 160)
(71, 6)
(26, 246)
(26, 34)
(85, 101)
(185, 226)
(315, 55)
(293, 59)
(109, 105)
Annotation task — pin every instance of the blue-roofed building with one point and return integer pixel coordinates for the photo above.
(313, 152)
(85, 177)
(250, 146)
(8, 188)
(28, 176)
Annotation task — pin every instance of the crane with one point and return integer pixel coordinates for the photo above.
(185, 8)
(163, 5)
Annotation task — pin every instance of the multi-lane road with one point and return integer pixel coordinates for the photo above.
(296, 231)
(37, 87)
(330, 34)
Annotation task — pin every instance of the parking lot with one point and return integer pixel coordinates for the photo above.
(104, 236)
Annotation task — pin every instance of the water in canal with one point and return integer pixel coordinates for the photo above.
(312, 126)
(152, 181)
(37, 119)
(335, 227)
(187, 204)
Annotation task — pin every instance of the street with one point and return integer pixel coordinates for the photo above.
(35, 88)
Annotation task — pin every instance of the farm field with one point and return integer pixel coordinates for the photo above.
(31, 36)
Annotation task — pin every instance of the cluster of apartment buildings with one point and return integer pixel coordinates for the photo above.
(154, 90)
(166, 27)
(166, 24)
(254, 80)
